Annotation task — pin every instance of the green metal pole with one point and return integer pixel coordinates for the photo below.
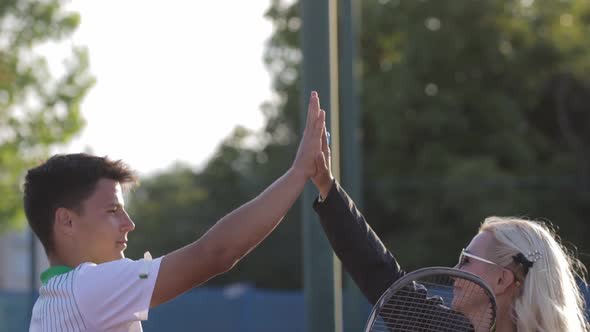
(356, 306)
(322, 272)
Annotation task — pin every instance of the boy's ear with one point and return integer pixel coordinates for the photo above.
(63, 221)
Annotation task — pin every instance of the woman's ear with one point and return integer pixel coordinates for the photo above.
(504, 281)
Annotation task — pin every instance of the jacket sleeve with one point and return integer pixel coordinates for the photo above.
(363, 255)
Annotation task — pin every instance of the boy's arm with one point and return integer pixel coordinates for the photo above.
(236, 234)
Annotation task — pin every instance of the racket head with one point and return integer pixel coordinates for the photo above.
(435, 299)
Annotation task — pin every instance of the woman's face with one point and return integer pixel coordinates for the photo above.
(468, 296)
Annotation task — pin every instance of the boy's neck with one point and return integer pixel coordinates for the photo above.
(56, 260)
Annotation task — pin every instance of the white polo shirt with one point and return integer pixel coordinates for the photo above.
(109, 297)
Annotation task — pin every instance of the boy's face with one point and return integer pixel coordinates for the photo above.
(102, 226)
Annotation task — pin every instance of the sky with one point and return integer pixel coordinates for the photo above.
(173, 78)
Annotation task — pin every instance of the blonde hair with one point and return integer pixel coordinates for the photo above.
(550, 299)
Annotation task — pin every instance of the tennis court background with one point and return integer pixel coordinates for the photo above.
(234, 308)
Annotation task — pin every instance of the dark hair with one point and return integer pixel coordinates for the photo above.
(66, 181)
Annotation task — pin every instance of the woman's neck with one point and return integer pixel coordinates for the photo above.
(503, 325)
(504, 318)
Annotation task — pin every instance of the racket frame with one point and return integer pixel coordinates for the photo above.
(425, 272)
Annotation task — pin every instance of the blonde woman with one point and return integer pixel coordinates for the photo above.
(532, 275)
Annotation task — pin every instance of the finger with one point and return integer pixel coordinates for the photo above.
(319, 125)
(320, 161)
(316, 131)
(325, 143)
(313, 108)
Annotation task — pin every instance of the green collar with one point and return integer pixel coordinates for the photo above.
(54, 271)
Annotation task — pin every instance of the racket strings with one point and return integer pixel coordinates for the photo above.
(414, 318)
(481, 314)
(439, 303)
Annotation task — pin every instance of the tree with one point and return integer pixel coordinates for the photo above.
(38, 109)
(176, 207)
(469, 109)
(463, 104)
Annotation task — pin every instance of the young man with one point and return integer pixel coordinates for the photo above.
(74, 204)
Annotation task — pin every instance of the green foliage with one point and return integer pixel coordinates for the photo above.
(175, 208)
(37, 109)
(472, 109)
(469, 109)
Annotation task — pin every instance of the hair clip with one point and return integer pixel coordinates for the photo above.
(520, 259)
(534, 256)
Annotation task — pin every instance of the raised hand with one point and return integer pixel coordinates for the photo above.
(323, 177)
(310, 147)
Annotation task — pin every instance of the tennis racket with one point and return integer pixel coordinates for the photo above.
(433, 299)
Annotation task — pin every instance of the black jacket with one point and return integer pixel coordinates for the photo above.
(372, 267)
